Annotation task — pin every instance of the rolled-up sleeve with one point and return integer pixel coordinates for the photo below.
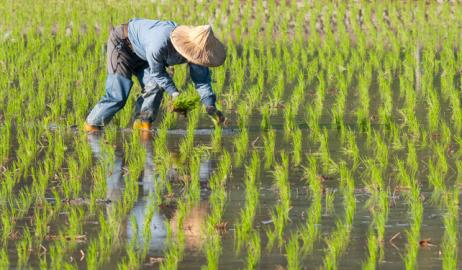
(201, 77)
(158, 73)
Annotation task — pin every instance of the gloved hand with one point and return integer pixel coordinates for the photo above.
(217, 116)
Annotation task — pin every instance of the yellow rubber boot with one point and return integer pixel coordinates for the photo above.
(141, 125)
(145, 128)
(90, 128)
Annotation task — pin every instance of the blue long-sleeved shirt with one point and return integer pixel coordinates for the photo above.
(150, 40)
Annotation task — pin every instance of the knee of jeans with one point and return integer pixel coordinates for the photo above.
(151, 87)
(115, 99)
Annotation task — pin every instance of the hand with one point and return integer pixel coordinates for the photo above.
(171, 107)
(217, 116)
(175, 95)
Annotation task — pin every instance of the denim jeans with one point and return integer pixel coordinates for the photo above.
(122, 63)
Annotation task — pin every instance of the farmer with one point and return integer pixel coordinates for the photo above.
(146, 48)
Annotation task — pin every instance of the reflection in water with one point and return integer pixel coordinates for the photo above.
(145, 199)
(192, 222)
(114, 179)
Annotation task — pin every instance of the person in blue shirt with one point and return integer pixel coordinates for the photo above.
(147, 48)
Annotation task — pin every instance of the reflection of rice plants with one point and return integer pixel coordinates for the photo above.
(269, 144)
(244, 228)
(213, 248)
(280, 213)
(337, 241)
(449, 246)
(310, 232)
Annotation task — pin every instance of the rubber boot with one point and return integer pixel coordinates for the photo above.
(141, 125)
(145, 128)
(90, 128)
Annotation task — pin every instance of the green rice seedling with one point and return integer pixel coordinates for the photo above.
(187, 143)
(265, 116)
(73, 185)
(278, 91)
(253, 97)
(449, 245)
(253, 250)
(297, 146)
(445, 135)
(437, 169)
(28, 147)
(312, 121)
(289, 121)
(132, 260)
(374, 183)
(160, 143)
(381, 150)
(7, 222)
(433, 111)
(23, 248)
(269, 143)
(5, 133)
(41, 218)
(99, 182)
(338, 111)
(217, 139)
(24, 202)
(92, 256)
(327, 163)
(319, 97)
(363, 88)
(329, 198)
(176, 247)
(4, 261)
(251, 201)
(309, 232)
(146, 229)
(194, 183)
(57, 255)
(456, 115)
(213, 250)
(338, 240)
(186, 101)
(413, 234)
(241, 145)
(293, 253)
(413, 199)
(351, 149)
(378, 207)
(220, 77)
(280, 213)
(243, 113)
(411, 160)
(10, 178)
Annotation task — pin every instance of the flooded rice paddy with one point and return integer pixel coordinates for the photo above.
(343, 149)
(162, 217)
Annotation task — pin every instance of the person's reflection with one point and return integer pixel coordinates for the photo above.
(114, 179)
(193, 222)
(146, 198)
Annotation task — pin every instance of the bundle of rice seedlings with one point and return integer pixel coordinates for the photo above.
(186, 102)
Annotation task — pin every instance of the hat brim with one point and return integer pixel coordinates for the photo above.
(213, 54)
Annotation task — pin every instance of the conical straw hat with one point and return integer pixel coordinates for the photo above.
(198, 45)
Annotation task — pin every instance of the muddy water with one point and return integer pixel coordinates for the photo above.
(353, 257)
(356, 251)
